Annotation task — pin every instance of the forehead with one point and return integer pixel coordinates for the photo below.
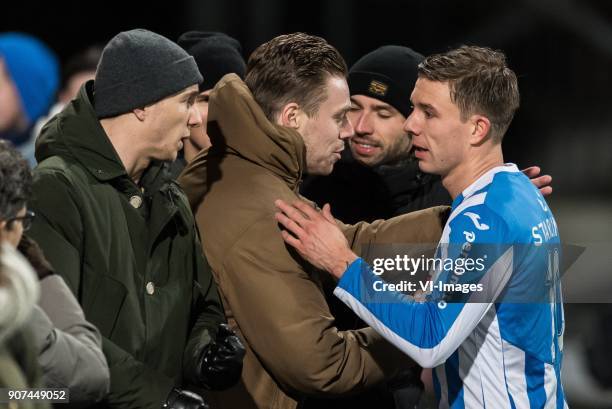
(337, 91)
(179, 96)
(187, 91)
(429, 92)
(365, 101)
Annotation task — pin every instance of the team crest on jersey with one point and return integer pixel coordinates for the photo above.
(476, 220)
(378, 88)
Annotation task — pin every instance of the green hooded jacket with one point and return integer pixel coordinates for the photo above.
(130, 253)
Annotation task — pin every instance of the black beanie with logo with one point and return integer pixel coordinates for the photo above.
(387, 74)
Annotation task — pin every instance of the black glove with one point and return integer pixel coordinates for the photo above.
(407, 389)
(179, 399)
(33, 253)
(221, 361)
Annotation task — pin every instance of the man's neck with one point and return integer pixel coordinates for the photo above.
(134, 162)
(466, 173)
(190, 151)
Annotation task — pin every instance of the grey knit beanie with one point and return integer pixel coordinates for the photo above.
(139, 67)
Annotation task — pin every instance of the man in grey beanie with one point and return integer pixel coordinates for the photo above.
(119, 230)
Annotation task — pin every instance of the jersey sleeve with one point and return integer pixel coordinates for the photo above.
(430, 331)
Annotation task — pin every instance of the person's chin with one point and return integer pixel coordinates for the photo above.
(367, 160)
(322, 170)
(327, 170)
(427, 167)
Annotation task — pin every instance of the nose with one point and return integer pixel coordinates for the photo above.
(195, 119)
(411, 124)
(363, 124)
(347, 130)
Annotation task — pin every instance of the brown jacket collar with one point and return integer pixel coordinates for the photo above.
(238, 126)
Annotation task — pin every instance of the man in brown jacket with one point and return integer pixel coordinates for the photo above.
(288, 118)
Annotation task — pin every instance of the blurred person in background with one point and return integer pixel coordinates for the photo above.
(29, 79)
(19, 288)
(119, 230)
(77, 70)
(67, 348)
(19, 367)
(216, 55)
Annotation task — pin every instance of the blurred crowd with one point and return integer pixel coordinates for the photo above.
(123, 276)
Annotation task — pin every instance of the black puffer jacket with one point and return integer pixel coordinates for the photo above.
(359, 193)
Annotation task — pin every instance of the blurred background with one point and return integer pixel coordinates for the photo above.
(561, 51)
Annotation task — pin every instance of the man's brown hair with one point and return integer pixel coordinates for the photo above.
(480, 82)
(292, 68)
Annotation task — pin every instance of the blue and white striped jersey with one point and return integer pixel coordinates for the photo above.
(498, 348)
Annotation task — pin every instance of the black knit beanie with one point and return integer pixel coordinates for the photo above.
(137, 68)
(388, 74)
(216, 54)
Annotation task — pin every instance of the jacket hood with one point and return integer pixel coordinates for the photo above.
(77, 133)
(237, 125)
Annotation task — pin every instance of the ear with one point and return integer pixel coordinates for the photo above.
(480, 129)
(140, 113)
(290, 116)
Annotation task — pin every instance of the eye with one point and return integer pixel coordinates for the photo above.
(383, 113)
(202, 98)
(344, 119)
(341, 119)
(190, 101)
